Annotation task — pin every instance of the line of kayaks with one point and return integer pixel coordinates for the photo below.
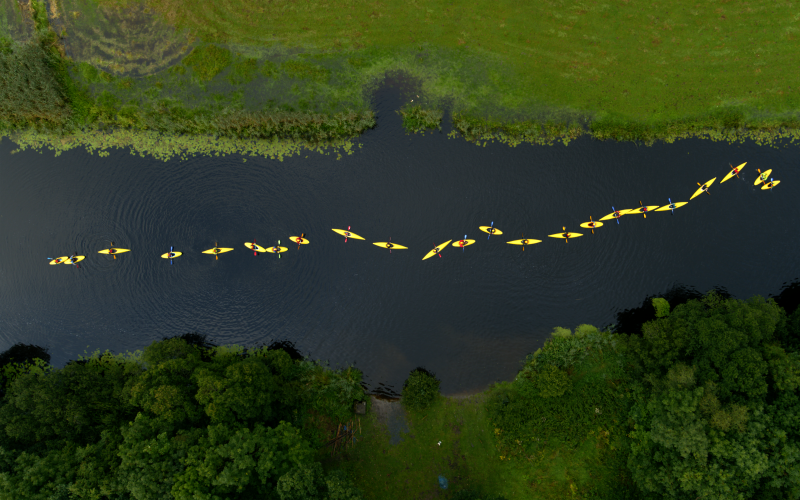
(763, 178)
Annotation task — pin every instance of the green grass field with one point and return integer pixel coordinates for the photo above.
(509, 71)
(711, 62)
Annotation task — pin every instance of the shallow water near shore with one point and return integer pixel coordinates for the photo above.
(470, 317)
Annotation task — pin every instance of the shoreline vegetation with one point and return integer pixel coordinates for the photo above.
(172, 78)
(702, 401)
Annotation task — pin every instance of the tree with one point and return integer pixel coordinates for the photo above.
(237, 390)
(241, 463)
(711, 415)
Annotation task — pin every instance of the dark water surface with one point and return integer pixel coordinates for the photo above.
(470, 317)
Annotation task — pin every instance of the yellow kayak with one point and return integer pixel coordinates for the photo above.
(672, 207)
(567, 236)
(59, 260)
(762, 177)
(463, 243)
(276, 249)
(706, 185)
(74, 260)
(254, 247)
(436, 250)
(643, 210)
(217, 250)
(348, 234)
(524, 242)
(612, 215)
(391, 246)
(770, 185)
(490, 230)
(175, 255)
(734, 171)
(114, 252)
(591, 225)
(299, 240)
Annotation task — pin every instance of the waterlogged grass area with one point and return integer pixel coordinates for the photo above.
(302, 72)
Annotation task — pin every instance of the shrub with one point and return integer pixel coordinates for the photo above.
(583, 330)
(661, 306)
(420, 389)
(561, 332)
(550, 382)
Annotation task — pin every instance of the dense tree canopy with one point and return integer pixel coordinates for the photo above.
(715, 412)
(178, 421)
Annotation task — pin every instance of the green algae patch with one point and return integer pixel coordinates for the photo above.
(161, 147)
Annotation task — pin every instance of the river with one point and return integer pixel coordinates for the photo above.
(470, 316)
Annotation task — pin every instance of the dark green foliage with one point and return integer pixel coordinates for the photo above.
(184, 420)
(712, 412)
(547, 403)
(788, 333)
(75, 403)
(21, 353)
(420, 389)
(235, 390)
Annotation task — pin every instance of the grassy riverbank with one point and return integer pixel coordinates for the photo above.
(508, 71)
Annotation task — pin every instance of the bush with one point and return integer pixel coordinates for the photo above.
(550, 382)
(661, 306)
(420, 389)
(583, 330)
(561, 332)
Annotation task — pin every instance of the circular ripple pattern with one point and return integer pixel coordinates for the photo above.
(470, 316)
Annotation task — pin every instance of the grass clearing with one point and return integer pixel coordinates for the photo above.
(509, 440)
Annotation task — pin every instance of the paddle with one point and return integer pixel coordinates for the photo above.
(566, 234)
(216, 251)
(253, 246)
(771, 182)
(437, 250)
(704, 188)
(345, 234)
(735, 172)
(523, 242)
(616, 214)
(671, 205)
(170, 256)
(591, 223)
(463, 243)
(278, 249)
(300, 239)
(760, 175)
(644, 209)
(491, 230)
(390, 244)
(111, 251)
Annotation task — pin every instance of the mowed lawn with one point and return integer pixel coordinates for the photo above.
(642, 61)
